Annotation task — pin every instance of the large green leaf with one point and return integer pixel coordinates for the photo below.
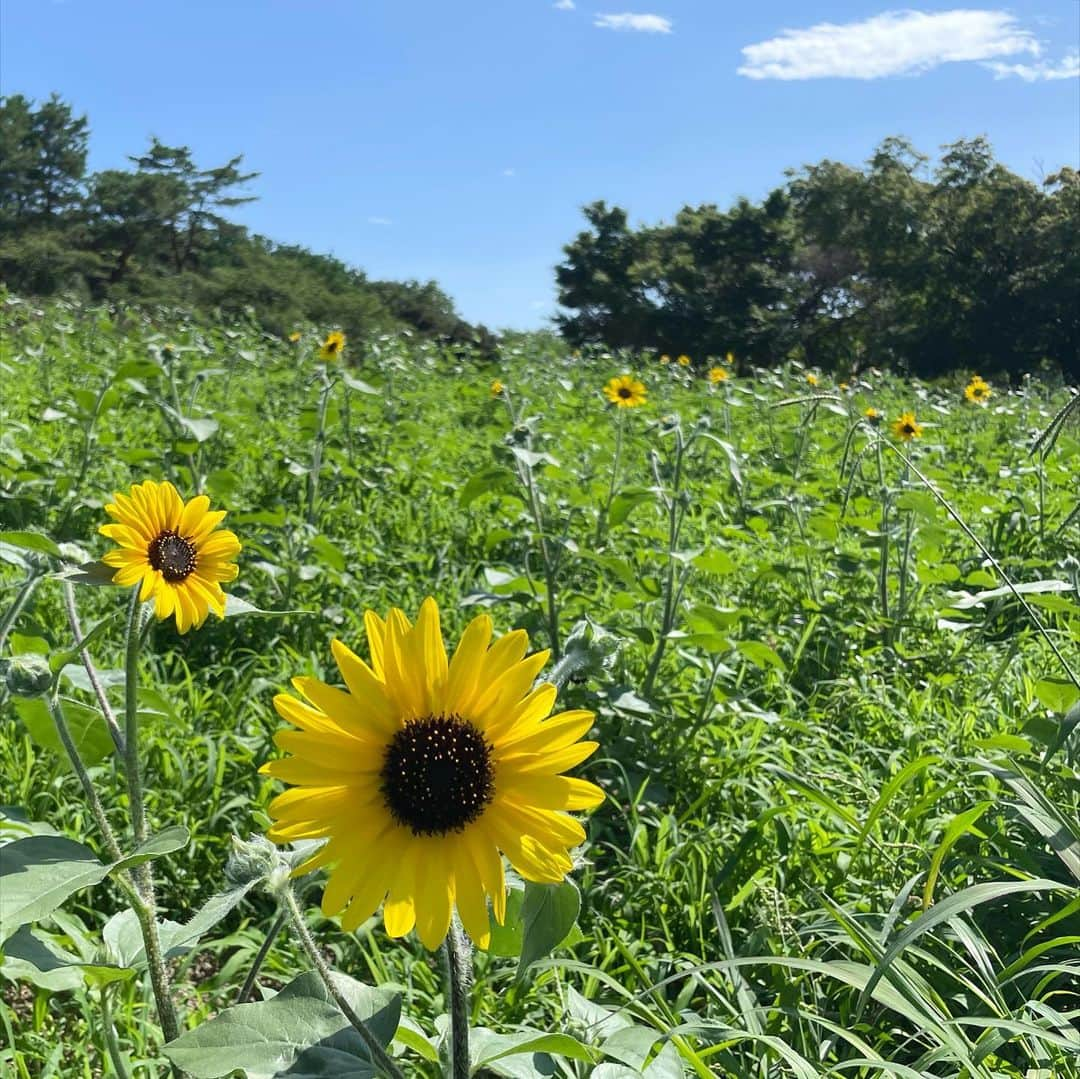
(85, 724)
(300, 1033)
(548, 914)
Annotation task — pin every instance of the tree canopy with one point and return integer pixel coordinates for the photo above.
(965, 265)
(159, 233)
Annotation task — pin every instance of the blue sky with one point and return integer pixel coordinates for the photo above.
(458, 140)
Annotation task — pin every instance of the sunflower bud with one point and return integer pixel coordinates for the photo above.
(27, 675)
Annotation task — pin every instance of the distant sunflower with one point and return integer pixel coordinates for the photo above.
(665, 358)
(907, 427)
(718, 374)
(729, 359)
(977, 391)
(333, 345)
(497, 388)
(844, 387)
(295, 336)
(420, 772)
(811, 378)
(873, 416)
(171, 549)
(625, 391)
(683, 360)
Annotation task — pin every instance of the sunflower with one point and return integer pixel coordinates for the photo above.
(497, 388)
(811, 378)
(907, 427)
(332, 346)
(729, 359)
(873, 416)
(977, 391)
(665, 358)
(420, 772)
(171, 549)
(295, 336)
(625, 391)
(718, 374)
(683, 360)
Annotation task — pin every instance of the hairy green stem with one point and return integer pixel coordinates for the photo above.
(119, 1064)
(459, 969)
(320, 442)
(13, 612)
(379, 1057)
(260, 956)
(91, 671)
(602, 520)
(145, 910)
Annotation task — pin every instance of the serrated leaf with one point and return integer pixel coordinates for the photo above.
(300, 1033)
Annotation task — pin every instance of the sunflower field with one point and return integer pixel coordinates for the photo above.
(371, 708)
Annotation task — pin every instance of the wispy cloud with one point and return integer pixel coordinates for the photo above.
(509, 172)
(564, 5)
(643, 24)
(379, 221)
(1069, 68)
(893, 43)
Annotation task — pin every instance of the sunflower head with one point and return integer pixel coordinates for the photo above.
(497, 388)
(977, 391)
(811, 378)
(907, 427)
(173, 550)
(295, 336)
(729, 359)
(873, 416)
(333, 346)
(718, 374)
(625, 391)
(422, 772)
(683, 360)
(665, 358)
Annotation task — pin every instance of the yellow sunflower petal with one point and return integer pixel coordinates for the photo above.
(469, 894)
(464, 669)
(552, 792)
(399, 911)
(434, 894)
(376, 635)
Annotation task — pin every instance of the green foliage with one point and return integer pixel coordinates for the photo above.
(971, 267)
(842, 833)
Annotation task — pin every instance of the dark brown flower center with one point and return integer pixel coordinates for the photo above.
(624, 392)
(173, 555)
(437, 775)
(907, 429)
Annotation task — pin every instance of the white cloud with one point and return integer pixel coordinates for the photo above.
(379, 221)
(893, 43)
(1069, 68)
(564, 5)
(645, 24)
(509, 172)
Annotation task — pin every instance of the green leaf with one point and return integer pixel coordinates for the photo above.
(760, 654)
(627, 500)
(200, 430)
(359, 385)
(300, 1033)
(235, 606)
(506, 939)
(487, 1048)
(166, 842)
(85, 723)
(494, 480)
(32, 959)
(39, 873)
(91, 573)
(716, 561)
(547, 915)
(1056, 694)
(31, 541)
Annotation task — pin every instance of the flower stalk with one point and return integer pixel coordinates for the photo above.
(459, 972)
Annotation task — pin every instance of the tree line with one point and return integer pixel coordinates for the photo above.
(158, 234)
(923, 268)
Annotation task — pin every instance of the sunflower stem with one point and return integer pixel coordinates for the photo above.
(320, 442)
(145, 905)
(91, 670)
(602, 520)
(379, 1057)
(459, 968)
(13, 612)
(260, 956)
